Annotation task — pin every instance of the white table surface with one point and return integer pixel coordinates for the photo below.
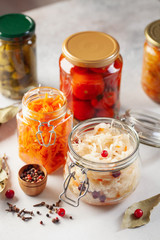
(125, 20)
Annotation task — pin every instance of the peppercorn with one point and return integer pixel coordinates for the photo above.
(31, 174)
(50, 207)
(55, 220)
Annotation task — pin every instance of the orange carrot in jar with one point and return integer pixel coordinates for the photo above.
(43, 135)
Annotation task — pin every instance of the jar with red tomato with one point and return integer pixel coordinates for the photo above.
(90, 74)
(151, 62)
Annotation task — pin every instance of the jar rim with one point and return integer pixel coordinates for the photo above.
(103, 166)
(90, 49)
(16, 25)
(35, 92)
(152, 32)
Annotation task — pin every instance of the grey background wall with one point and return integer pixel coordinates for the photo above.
(14, 6)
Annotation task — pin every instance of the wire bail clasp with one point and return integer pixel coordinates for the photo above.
(83, 189)
(42, 124)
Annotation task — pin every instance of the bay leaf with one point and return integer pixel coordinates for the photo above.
(4, 172)
(2, 185)
(3, 175)
(8, 113)
(1, 159)
(130, 221)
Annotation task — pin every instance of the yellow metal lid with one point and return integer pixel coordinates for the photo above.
(152, 33)
(90, 49)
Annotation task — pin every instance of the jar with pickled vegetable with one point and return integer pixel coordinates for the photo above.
(103, 163)
(90, 74)
(151, 62)
(17, 55)
(44, 125)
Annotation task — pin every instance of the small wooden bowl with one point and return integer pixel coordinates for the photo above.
(32, 189)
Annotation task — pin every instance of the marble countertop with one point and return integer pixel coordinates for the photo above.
(124, 20)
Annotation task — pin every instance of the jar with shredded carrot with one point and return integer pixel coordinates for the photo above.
(43, 128)
(151, 62)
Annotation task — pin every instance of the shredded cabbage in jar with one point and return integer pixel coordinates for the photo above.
(104, 137)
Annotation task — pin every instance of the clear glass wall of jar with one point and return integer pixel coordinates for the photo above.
(100, 183)
(42, 133)
(151, 60)
(90, 74)
(18, 72)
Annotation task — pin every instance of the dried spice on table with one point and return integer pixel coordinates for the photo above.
(12, 208)
(26, 215)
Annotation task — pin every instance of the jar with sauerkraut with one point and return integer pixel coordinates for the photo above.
(151, 62)
(103, 162)
(44, 125)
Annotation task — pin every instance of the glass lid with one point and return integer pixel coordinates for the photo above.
(146, 124)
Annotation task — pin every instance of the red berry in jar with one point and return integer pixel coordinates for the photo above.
(104, 153)
(138, 213)
(9, 193)
(61, 212)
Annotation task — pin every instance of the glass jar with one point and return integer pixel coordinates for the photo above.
(151, 62)
(44, 125)
(90, 74)
(18, 72)
(105, 183)
(101, 183)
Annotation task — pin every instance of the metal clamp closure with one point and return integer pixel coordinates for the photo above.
(42, 124)
(83, 189)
